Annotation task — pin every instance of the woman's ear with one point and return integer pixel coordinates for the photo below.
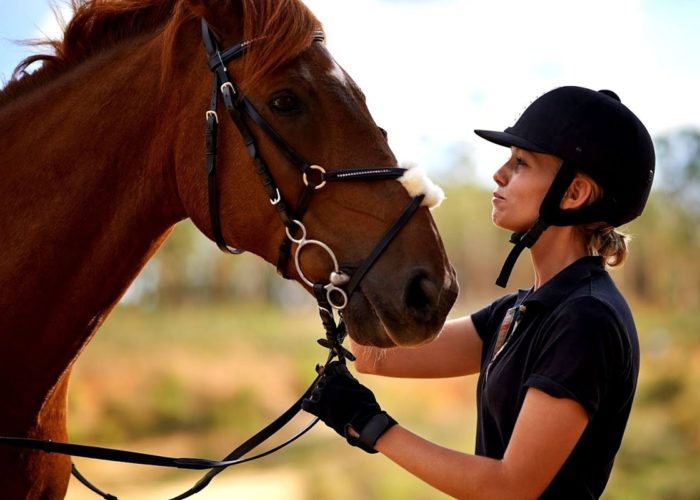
(578, 194)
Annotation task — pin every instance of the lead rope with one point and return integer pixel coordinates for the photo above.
(335, 335)
(76, 473)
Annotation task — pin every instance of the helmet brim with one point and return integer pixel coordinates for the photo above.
(507, 139)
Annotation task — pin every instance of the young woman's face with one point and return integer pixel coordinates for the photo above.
(522, 183)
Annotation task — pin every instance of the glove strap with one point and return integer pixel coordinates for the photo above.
(372, 431)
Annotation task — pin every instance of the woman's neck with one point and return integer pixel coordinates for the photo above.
(557, 248)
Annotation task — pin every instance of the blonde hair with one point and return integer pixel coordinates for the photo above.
(603, 239)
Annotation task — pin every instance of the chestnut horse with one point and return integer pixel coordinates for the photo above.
(101, 153)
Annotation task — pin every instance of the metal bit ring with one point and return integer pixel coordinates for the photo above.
(331, 291)
(300, 245)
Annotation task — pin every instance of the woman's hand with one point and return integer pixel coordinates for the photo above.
(348, 407)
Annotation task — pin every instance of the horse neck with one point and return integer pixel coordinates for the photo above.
(88, 194)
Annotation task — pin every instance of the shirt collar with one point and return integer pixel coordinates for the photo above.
(561, 285)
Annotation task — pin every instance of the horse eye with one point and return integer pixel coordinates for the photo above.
(384, 133)
(285, 104)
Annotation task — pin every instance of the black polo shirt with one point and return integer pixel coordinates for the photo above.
(573, 338)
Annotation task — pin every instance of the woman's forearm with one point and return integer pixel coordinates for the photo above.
(455, 352)
(544, 436)
(457, 474)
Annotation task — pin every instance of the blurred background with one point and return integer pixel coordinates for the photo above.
(206, 348)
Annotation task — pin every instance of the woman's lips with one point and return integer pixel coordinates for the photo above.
(497, 197)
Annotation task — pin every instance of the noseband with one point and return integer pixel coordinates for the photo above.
(332, 295)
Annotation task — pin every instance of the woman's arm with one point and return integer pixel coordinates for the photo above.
(545, 433)
(455, 352)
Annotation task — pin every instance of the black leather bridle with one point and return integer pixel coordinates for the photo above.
(331, 296)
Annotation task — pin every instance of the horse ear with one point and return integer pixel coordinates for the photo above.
(221, 15)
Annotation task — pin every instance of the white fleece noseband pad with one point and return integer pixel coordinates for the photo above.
(417, 182)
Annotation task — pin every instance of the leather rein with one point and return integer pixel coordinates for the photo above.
(332, 296)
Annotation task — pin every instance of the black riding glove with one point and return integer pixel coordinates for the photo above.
(342, 402)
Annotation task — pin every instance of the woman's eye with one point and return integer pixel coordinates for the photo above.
(285, 104)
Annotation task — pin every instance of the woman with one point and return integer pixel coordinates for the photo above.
(557, 363)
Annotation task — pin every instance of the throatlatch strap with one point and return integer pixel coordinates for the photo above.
(211, 151)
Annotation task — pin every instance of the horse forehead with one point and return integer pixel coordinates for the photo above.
(330, 71)
(337, 73)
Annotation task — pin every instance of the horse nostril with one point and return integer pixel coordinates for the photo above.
(421, 298)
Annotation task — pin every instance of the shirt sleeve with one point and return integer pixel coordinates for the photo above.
(487, 320)
(582, 352)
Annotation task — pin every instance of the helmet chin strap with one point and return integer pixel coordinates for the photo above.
(521, 241)
(550, 214)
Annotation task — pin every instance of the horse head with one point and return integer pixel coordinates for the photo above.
(293, 96)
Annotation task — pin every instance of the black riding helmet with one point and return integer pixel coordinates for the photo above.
(593, 133)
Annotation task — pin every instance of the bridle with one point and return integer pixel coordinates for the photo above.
(314, 177)
(332, 296)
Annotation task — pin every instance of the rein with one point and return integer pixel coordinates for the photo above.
(332, 296)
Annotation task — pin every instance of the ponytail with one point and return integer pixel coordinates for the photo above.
(603, 239)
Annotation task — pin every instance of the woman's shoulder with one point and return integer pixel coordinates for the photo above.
(599, 300)
(596, 319)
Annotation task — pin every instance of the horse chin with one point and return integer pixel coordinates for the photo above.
(366, 328)
(369, 324)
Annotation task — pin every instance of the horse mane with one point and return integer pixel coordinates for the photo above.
(282, 29)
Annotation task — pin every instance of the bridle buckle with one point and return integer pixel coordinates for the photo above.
(228, 85)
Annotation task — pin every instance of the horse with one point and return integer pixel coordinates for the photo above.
(101, 155)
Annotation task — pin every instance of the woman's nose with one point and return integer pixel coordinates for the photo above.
(501, 176)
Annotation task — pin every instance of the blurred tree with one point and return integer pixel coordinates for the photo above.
(679, 186)
(666, 239)
(172, 283)
(678, 157)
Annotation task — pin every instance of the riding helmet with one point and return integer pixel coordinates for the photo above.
(593, 133)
